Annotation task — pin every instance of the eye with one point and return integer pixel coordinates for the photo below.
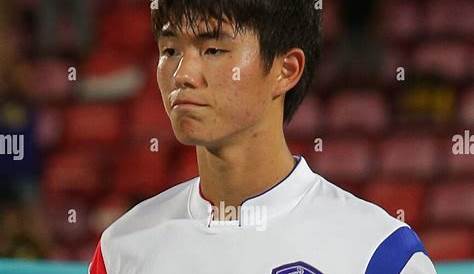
(169, 52)
(215, 51)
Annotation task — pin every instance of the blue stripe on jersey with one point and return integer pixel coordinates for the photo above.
(394, 252)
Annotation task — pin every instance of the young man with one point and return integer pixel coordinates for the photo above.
(231, 73)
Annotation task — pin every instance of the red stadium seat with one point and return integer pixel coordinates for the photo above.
(410, 155)
(183, 157)
(452, 202)
(357, 110)
(306, 121)
(148, 119)
(93, 123)
(450, 17)
(401, 19)
(460, 165)
(449, 244)
(402, 199)
(140, 172)
(301, 147)
(343, 159)
(448, 59)
(127, 20)
(75, 170)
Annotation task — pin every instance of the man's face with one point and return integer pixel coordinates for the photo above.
(225, 76)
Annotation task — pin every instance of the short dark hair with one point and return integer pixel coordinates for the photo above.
(280, 25)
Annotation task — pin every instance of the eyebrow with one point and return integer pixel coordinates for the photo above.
(201, 36)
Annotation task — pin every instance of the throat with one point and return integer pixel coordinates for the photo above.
(231, 189)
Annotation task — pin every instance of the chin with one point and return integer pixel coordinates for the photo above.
(196, 139)
(188, 137)
(186, 140)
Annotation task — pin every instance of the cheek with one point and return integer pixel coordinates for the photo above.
(241, 101)
(162, 74)
(164, 84)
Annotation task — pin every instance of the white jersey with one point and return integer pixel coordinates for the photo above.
(310, 226)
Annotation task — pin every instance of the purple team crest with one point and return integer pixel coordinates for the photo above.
(296, 268)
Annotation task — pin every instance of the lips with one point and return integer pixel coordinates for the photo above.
(181, 101)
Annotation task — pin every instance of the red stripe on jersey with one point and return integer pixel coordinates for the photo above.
(97, 265)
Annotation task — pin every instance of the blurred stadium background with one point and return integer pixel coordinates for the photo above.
(87, 141)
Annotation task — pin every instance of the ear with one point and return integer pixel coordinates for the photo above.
(290, 69)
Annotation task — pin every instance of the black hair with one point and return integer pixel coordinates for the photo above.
(280, 25)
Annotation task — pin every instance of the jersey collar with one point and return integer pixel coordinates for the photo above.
(278, 200)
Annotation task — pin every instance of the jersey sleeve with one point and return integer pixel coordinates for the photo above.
(97, 266)
(419, 264)
(400, 253)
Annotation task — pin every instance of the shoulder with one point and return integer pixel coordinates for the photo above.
(388, 244)
(342, 207)
(401, 250)
(170, 204)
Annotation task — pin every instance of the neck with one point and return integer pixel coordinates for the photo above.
(233, 173)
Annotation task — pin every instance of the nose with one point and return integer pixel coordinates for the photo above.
(187, 73)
